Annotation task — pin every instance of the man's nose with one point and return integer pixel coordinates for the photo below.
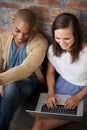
(20, 36)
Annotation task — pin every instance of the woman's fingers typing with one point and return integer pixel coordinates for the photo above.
(52, 101)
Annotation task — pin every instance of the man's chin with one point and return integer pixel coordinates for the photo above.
(19, 41)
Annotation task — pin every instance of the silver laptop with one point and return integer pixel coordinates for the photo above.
(41, 109)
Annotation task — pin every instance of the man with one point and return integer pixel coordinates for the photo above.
(22, 51)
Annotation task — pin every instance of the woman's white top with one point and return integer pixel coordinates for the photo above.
(76, 72)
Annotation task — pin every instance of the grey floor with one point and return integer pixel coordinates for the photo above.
(23, 120)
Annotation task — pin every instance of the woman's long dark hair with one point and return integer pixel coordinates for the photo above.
(62, 21)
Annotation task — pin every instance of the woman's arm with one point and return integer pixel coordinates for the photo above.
(82, 93)
(50, 77)
(52, 99)
(74, 100)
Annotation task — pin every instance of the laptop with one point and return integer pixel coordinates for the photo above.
(42, 110)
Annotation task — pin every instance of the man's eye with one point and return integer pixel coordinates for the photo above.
(26, 33)
(17, 30)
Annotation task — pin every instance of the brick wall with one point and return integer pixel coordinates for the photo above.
(45, 10)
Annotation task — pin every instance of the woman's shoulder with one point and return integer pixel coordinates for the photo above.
(51, 46)
(50, 50)
(84, 45)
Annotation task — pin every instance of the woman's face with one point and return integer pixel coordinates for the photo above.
(64, 37)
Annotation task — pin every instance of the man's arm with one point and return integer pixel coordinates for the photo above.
(29, 65)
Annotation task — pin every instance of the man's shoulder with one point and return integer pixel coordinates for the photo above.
(37, 41)
(37, 36)
(6, 34)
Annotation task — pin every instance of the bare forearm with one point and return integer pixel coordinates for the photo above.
(82, 93)
(50, 82)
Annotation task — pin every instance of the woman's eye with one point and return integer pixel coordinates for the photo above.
(67, 39)
(57, 38)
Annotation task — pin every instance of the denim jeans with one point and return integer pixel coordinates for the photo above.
(12, 95)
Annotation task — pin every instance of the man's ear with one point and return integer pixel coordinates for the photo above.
(12, 19)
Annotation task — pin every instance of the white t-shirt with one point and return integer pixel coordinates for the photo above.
(76, 72)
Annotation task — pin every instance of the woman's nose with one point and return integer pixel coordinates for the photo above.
(61, 41)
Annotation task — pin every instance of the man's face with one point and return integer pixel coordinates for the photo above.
(21, 31)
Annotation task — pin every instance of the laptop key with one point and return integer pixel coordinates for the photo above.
(59, 109)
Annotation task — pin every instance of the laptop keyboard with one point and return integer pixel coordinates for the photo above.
(59, 109)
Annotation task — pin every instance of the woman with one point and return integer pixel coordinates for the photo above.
(68, 57)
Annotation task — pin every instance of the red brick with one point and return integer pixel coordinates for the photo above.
(45, 19)
(45, 10)
(48, 2)
(38, 9)
(57, 11)
(25, 0)
(2, 29)
(9, 5)
(82, 5)
(44, 29)
(83, 25)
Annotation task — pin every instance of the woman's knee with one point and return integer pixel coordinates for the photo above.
(38, 125)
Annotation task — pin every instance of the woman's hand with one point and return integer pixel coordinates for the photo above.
(72, 102)
(52, 100)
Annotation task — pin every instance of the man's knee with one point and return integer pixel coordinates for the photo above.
(10, 90)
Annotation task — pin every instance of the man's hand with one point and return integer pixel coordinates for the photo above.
(1, 82)
(1, 90)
